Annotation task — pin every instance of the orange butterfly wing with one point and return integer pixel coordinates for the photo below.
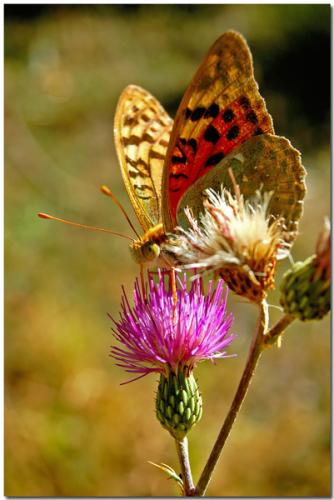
(142, 130)
(220, 110)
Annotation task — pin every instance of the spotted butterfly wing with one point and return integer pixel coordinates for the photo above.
(265, 161)
(221, 109)
(142, 131)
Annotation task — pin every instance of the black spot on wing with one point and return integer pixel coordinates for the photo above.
(129, 120)
(145, 118)
(129, 160)
(228, 115)
(137, 173)
(133, 140)
(179, 159)
(148, 138)
(251, 117)
(157, 155)
(176, 177)
(211, 134)
(193, 144)
(187, 113)
(212, 111)
(161, 122)
(244, 102)
(214, 159)
(233, 133)
(197, 114)
(179, 176)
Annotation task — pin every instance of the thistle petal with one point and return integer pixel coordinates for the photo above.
(157, 335)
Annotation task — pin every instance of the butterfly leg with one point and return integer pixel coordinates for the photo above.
(142, 282)
(173, 284)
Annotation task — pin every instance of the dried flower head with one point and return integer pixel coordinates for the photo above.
(236, 238)
(160, 336)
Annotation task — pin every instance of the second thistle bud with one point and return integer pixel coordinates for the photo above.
(305, 289)
(178, 403)
(304, 293)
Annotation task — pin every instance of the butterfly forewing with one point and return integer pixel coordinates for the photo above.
(220, 110)
(142, 133)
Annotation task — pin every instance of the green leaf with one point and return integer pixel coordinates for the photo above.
(170, 473)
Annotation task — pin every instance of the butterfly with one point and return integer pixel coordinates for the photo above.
(221, 123)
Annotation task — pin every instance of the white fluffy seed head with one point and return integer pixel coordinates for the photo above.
(230, 232)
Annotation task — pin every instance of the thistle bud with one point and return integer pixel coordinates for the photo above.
(178, 403)
(305, 288)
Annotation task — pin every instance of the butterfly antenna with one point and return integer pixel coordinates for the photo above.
(105, 190)
(83, 226)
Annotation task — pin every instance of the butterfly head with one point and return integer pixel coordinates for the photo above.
(144, 252)
(150, 250)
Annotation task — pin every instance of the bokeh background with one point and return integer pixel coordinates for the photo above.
(71, 429)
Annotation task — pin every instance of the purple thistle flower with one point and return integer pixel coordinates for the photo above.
(163, 337)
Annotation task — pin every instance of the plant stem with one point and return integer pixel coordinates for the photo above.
(182, 451)
(253, 357)
(273, 334)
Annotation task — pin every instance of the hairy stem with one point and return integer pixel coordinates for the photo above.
(253, 357)
(183, 454)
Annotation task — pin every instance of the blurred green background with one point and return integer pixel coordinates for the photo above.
(71, 429)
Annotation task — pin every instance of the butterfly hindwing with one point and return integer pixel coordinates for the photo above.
(142, 132)
(266, 161)
(221, 109)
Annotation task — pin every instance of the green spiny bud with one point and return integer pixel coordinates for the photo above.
(178, 407)
(305, 293)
